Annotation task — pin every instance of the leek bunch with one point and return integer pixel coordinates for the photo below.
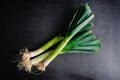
(78, 39)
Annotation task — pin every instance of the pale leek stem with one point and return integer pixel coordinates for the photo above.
(46, 46)
(40, 57)
(56, 51)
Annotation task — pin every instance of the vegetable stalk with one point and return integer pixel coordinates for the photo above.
(46, 46)
(78, 39)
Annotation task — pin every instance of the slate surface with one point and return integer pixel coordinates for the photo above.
(31, 24)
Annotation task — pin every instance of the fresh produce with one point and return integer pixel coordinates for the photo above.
(78, 39)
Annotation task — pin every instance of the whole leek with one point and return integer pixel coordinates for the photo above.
(78, 39)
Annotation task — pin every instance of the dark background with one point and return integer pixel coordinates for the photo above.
(31, 24)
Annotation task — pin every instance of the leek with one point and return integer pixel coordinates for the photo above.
(78, 39)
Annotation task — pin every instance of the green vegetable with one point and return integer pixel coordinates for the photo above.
(78, 39)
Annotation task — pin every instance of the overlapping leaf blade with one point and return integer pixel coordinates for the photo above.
(80, 20)
(86, 42)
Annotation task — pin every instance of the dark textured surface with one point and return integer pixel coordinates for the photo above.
(31, 24)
